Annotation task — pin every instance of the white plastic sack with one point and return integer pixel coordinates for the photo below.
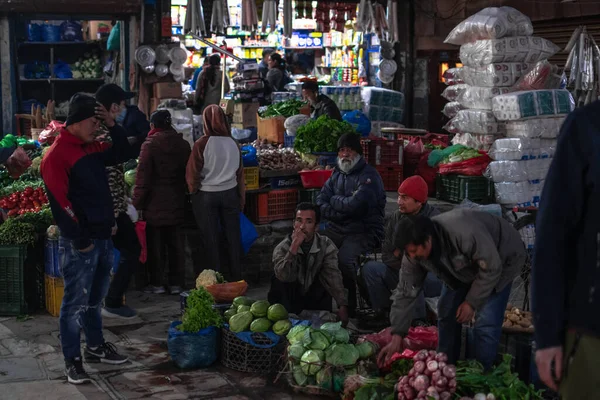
(491, 23)
(478, 97)
(474, 121)
(495, 75)
(527, 49)
(532, 104)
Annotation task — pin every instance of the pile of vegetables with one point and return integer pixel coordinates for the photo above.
(324, 357)
(14, 231)
(257, 316)
(357, 387)
(29, 200)
(88, 67)
(429, 378)
(10, 140)
(285, 109)
(517, 320)
(199, 312)
(321, 135)
(501, 383)
(461, 155)
(276, 158)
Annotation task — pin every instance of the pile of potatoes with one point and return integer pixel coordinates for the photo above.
(517, 320)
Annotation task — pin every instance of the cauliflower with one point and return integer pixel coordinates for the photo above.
(207, 277)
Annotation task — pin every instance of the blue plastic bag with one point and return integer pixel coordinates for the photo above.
(359, 121)
(193, 350)
(249, 157)
(114, 38)
(50, 33)
(34, 32)
(62, 70)
(248, 233)
(70, 31)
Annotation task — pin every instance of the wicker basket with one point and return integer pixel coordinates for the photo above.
(241, 356)
(226, 292)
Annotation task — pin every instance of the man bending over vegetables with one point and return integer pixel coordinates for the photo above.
(74, 173)
(477, 255)
(306, 268)
(353, 206)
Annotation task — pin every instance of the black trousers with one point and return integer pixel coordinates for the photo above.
(126, 241)
(290, 295)
(165, 248)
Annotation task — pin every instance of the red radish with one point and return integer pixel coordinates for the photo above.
(421, 382)
(428, 372)
(443, 382)
(441, 357)
(449, 371)
(422, 395)
(452, 383)
(412, 372)
(432, 353)
(419, 367)
(432, 366)
(411, 381)
(436, 376)
(409, 393)
(421, 356)
(445, 396)
(441, 365)
(404, 381)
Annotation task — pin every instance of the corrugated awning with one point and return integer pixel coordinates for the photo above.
(87, 7)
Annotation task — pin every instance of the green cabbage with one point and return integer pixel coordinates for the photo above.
(325, 378)
(342, 355)
(299, 375)
(337, 333)
(296, 334)
(296, 351)
(312, 361)
(365, 349)
(315, 340)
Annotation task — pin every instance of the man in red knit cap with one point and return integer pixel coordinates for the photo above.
(381, 278)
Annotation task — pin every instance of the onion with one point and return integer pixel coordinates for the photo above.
(422, 395)
(445, 396)
(441, 364)
(421, 382)
(449, 371)
(412, 372)
(421, 356)
(419, 367)
(441, 357)
(409, 393)
(436, 376)
(431, 390)
(432, 366)
(452, 383)
(443, 381)
(404, 381)
(411, 381)
(428, 372)
(432, 353)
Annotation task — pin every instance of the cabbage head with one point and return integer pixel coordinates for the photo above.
(312, 361)
(295, 351)
(315, 340)
(365, 349)
(342, 355)
(325, 378)
(337, 333)
(299, 376)
(296, 334)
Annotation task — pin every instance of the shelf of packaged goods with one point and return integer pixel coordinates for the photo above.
(61, 80)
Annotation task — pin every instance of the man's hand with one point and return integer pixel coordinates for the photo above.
(464, 313)
(87, 249)
(544, 359)
(103, 115)
(343, 315)
(298, 237)
(395, 346)
(114, 229)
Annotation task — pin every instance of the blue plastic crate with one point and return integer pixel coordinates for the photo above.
(288, 141)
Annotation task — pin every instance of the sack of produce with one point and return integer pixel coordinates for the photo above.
(294, 122)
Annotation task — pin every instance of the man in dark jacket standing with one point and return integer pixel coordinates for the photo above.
(74, 174)
(319, 103)
(565, 275)
(477, 255)
(137, 126)
(381, 278)
(352, 204)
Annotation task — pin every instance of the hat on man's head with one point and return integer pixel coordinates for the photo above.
(81, 107)
(415, 187)
(112, 93)
(351, 141)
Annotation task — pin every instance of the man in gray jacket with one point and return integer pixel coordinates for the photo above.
(477, 256)
(381, 278)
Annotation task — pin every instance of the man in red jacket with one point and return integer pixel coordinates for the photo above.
(74, 173)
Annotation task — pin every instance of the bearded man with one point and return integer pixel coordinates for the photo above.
(352, 205)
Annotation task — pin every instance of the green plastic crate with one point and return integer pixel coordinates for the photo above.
(456, 188)
(12, 280)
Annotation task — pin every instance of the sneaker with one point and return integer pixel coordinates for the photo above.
(154, 289)
(123, 312)
(106, 353)
(75, 372)
(175, 289)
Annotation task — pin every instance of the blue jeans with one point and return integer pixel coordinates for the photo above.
(86, 277)
(381, 280)
(487, 329)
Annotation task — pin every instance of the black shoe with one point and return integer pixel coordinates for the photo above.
(75, 372)
(106, 353)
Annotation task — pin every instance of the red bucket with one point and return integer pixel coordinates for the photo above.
(315, 179)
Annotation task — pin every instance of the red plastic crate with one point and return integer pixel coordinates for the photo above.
(386, 153)
(365, 148)
(392, 177)
(275, 205)
(426, 139)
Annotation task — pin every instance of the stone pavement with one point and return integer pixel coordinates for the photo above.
(32, 367)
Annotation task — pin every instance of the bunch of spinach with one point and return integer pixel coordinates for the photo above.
(321, 135)
(285, 109)
(199, 312)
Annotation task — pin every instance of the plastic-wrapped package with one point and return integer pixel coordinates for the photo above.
(451, 93)
(548, 128)
(512, 193)
(535, 189)
(451, 109)
(382, 97)
(532, 103)
(518, 171)
(547, 148)
(495, 75)
(515, 149)
(491, 23)
(475, 121)
(542, 76)
(453, 76)
(527, 49)
(478, 97)
(477, 142)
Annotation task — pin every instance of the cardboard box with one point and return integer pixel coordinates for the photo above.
(271, 129)
(245, 114)
(168, 90)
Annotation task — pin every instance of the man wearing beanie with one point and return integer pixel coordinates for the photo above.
(74, 173)
(352, 204)
(381, 278)
(319, 103)
(477, 255)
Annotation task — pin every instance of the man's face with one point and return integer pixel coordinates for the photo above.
(408, 205)
(86, 129)
(116, 109)
(309, 96)
(419, 252)
(307, 222)
(347, 159)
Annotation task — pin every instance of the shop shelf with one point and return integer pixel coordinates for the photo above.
(252, 178)
(55, 290)
(275, 205)
(392, 177)
(456, 188)
(386, 153)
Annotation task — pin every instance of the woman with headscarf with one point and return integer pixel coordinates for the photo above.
(215, 178)
(208, 85)
(277, 75)
(160, 195)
